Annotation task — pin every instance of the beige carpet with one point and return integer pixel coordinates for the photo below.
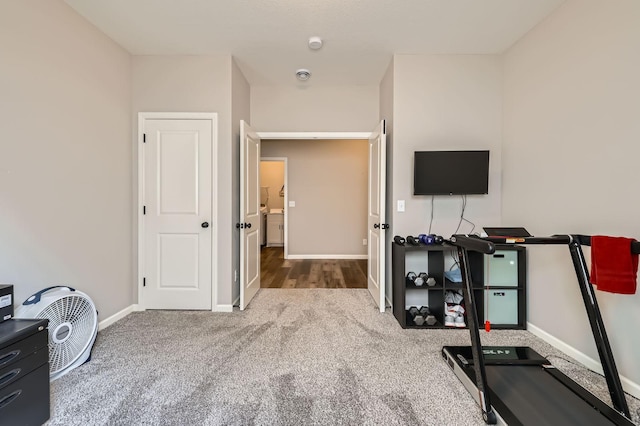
(295, 357)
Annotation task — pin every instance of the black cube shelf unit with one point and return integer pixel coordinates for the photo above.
(499, 282)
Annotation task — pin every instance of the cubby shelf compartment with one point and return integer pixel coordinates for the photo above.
(499, 282)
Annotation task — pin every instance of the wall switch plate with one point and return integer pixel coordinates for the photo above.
(292, 203)
(364, 241)
(400, 205)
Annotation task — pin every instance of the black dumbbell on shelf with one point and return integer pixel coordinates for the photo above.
(416, 316)
(422, 239)
(429, 319)
(421, 316)
(420, 279)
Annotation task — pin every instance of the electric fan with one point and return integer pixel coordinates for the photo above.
(73, 325)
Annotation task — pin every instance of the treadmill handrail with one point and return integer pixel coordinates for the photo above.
(583, 240)
(473, 243)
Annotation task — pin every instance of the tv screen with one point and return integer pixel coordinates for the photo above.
(450, 172)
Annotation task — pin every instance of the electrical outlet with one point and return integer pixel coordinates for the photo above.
(400, 205)
(364, 241)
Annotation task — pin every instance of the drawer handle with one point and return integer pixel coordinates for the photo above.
(6, 358)
(9, 398)
(9, 376)
(499, 256)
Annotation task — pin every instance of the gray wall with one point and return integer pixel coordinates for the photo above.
(65, 156)
(198, 84)
(328, 182)
(272, 178)
(445, 103)
(314, 109)
(571, 132)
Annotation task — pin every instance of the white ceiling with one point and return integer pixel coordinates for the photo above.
(268, 38)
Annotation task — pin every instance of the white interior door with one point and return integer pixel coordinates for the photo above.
(249, 214)
(376, 222)
(176, 224)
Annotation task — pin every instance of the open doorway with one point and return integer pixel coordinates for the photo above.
(273, 198)
(326, 213)
(250, 145)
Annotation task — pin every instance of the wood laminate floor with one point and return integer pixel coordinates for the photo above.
(276, 272)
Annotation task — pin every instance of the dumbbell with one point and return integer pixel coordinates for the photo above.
(413, 240)
(420, 279)
(427, 239)
(399, 240)
(424, 278)
(426, 314)
(411, 277)
(416, 315)
(430, 281)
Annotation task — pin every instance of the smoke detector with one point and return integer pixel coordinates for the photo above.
(303, 74)
(315, 43)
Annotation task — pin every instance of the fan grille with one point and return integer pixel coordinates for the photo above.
(76, 314)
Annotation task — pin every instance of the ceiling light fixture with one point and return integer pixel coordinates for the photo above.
(303, 74)
(315, 43)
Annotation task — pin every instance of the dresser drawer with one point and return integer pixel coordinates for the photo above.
(26, 402)
(22, 367)
(13, 353)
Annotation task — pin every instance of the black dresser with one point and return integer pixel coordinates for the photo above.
(24, 372)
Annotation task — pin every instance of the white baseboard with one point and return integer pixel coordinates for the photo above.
(327, 256)
(629, 386)
(223, 308)
(116, 317)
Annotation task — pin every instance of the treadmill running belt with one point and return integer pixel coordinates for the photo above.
(539, 399)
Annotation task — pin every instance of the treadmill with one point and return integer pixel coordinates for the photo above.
(518, 386)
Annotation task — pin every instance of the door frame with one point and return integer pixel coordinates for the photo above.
(312, 136)
(285, 160)
(139, 186)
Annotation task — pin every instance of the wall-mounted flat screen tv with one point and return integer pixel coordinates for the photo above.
(450, 172)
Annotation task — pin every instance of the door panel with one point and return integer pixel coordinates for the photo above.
(178, 260)
(376, 216)
(249, 214)
(178, 185)
(177, 195)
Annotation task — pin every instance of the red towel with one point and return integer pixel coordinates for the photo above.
(613, 267)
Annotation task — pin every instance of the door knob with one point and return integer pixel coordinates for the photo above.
(376, 225)
(247, 225)
(205, 224)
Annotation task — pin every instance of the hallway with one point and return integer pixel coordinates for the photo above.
(276, 272)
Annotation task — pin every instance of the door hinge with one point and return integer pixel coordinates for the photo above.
(144, 209)
(144, 282)
(144, 138)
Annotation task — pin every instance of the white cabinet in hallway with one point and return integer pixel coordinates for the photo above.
(275, 229)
